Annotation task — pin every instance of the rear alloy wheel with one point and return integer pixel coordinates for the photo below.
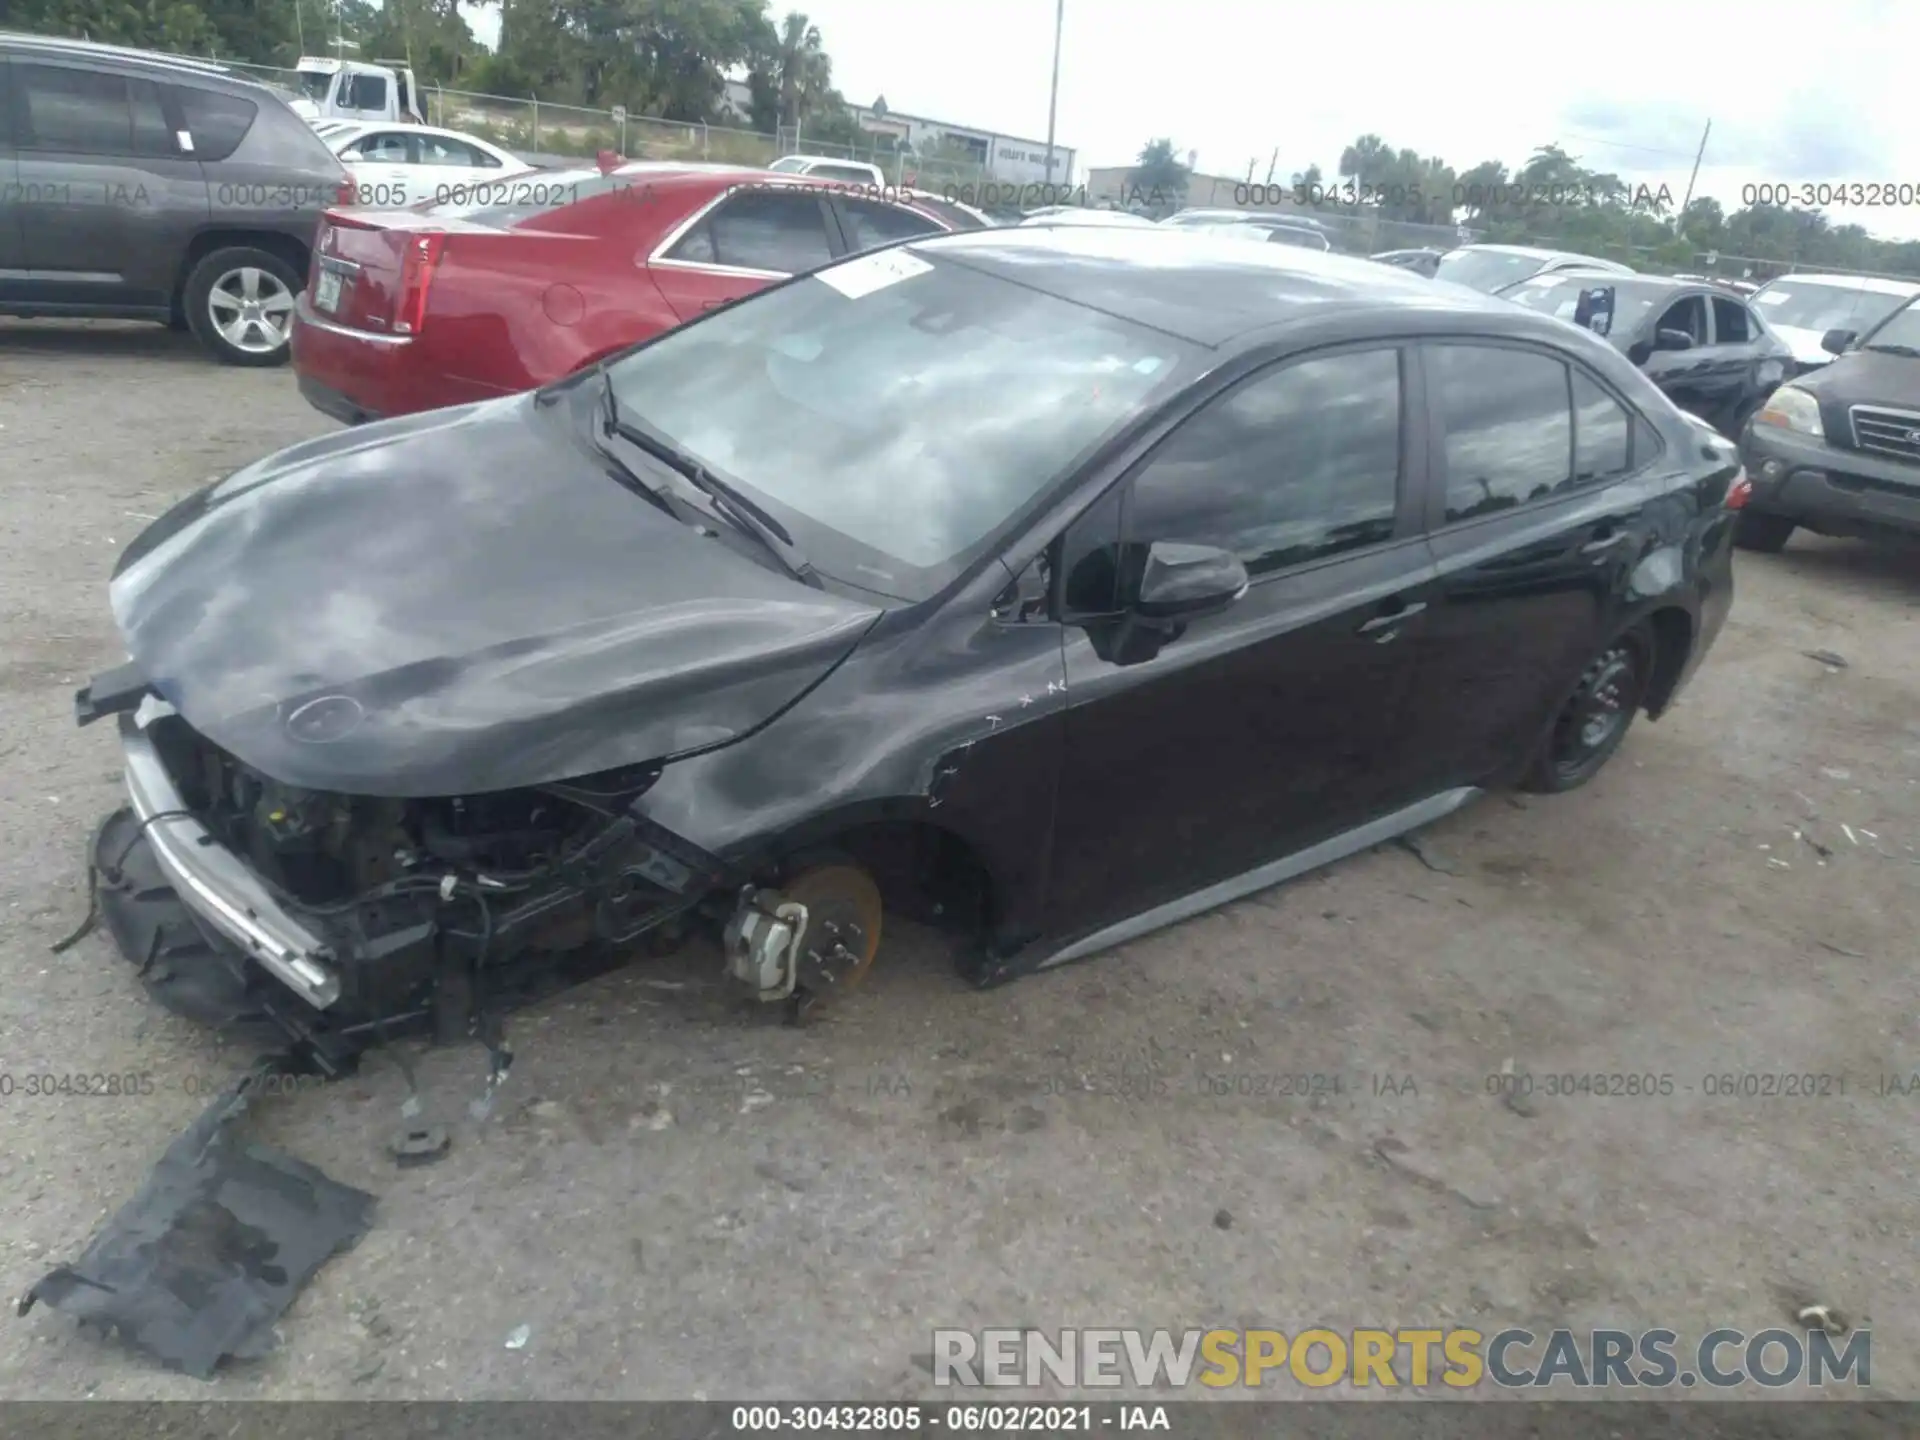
(240, 305)
(1596, 717)
(1767, 534)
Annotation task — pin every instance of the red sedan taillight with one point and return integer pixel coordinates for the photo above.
(1740, 491)
(421, 258)
(348, 192)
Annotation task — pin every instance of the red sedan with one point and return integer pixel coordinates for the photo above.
(505, 285)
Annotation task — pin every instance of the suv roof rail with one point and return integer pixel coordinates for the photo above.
(66, 45)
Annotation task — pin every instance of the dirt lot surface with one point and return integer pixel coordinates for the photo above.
(678, 1196)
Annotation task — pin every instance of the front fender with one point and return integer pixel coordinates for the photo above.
(955, 723)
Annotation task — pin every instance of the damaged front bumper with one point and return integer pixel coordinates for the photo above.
(214, 882)
(433, 944)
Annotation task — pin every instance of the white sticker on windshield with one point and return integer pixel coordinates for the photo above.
(873, 272)
(1772, 297)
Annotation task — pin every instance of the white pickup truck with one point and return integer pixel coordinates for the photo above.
(356, 90)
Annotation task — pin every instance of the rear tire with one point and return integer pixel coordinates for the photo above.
(239, 303)
(1767, 534)
(1593, 721)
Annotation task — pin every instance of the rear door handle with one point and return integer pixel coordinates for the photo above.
(1605, 542)
(1392, 621)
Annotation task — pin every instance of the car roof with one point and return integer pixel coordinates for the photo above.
(52, 45)
(832, 160)
(1628, 284)
(1536, 252)
(1208, 289)
(1873, 283)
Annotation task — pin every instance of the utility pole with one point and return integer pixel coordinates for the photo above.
(1679, 223)
(1053, 95)
(1270, 164)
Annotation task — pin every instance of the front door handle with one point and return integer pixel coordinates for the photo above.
(1392, 621)
(1605, 542)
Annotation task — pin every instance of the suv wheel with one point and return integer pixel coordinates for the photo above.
(1766, 533)
(239, 302)
(1596, 717)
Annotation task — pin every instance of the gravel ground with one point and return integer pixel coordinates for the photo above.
(679, 1196)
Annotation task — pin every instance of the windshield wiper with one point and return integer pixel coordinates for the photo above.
(727, 501)
(1906, 350)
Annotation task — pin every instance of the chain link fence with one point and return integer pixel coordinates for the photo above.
(543, 132)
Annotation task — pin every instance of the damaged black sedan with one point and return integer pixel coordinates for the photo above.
(1051, 585)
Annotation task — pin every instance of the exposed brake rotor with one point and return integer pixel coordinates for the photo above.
(843, 926)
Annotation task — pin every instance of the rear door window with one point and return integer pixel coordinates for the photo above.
(1730, 325)
(217, 122)
(1509, 426)
(768, 230)
(868, 224)
(91, 112)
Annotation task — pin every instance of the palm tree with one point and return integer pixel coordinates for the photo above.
(801, 69)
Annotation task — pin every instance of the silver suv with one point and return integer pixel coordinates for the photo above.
(136, 186)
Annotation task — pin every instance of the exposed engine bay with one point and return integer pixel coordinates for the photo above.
(390, 915)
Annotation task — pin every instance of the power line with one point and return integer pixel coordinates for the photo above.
(1643, 149)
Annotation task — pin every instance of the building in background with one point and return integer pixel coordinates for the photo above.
(1004, 157)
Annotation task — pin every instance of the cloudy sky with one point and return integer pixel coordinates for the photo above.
(1818, 96)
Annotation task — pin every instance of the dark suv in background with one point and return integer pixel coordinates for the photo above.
(1838, 451)
(144, 187)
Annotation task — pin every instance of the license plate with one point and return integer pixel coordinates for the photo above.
(326, 294)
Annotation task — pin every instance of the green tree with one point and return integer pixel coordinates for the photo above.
(1159, 168)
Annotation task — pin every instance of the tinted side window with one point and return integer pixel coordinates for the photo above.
(1293, 465)
(869, 224)
(1509, 428)
(761, 230)
(217, 122)
(1602, 434)
(88, 112)
(1689, 315)
(6, 103)
(1730, 325)
(366, 92)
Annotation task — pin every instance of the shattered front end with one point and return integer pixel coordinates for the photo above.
(330, 920)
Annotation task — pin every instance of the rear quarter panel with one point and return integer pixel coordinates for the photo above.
(519, 308)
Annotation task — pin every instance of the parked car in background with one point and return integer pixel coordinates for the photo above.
(1298, 236)
(1838, 450)
(826, 167)
(778, 623)
(1205, 216)
(1737, 287)
(957, 213)
(141, 187)
(1081, 215)
(395, 166)
(519, 282)
(1492, 268)
(1706, 350)
(1423, 261)
(1801, 309)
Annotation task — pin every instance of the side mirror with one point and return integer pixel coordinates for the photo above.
(1179, 582)
(1669, 339)
(1640, 352)
(1835, 342)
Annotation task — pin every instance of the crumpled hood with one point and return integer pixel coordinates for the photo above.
(458, 602)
